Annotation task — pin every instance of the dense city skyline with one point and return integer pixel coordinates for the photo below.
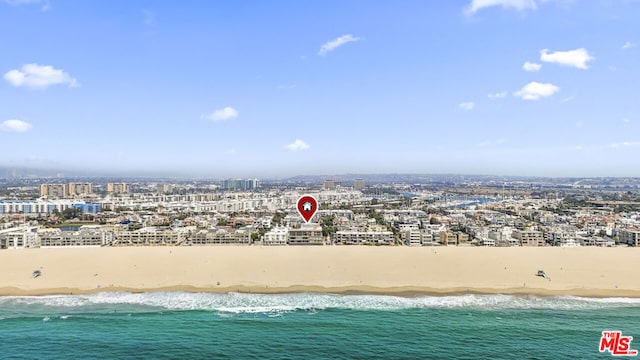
(253, 89)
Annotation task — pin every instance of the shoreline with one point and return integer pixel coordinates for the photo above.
(397, 271)
(348, 291)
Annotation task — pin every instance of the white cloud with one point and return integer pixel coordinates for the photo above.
(467, 105)
(45, 3)
(628, 45)
(39, 77)
(519, 5)
(498, 95)
(567, 99)
(577, 58)
(625, 144)
(223, 114)
(529, 66)
(336, 43)
(535, 90)
(15, 126)
(297, 145)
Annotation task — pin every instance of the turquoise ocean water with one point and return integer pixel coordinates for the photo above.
(177, 325)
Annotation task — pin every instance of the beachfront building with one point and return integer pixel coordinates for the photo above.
(307, 234)
(276, 236)
(485, 241)
(529, 237)
(221, 237)
(148, 237)
(448, 238)
(18, 238)
(630, 237)
(412, 237)
(363, 237)
(595, 241)
(429, 237)
(463, 238)
(83, 237)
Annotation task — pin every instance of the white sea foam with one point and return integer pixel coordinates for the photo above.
(278, 303)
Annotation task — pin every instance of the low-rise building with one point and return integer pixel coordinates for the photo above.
(276, 236)
(221, 237)
(148, 237)
(363, 237)
(82, 237)
(448, 238)
(529, 237)
(307, 234)
(630, 237)
(17, 238)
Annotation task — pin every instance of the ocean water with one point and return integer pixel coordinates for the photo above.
(177, 325)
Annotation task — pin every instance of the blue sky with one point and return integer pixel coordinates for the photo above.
(282, 88)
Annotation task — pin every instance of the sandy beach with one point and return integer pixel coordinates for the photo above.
(597, 272)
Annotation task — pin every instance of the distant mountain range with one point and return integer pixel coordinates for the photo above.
(24, 172)
(12, 172)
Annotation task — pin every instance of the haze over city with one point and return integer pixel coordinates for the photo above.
(282, 88)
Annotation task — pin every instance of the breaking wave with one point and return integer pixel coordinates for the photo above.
(270, 303)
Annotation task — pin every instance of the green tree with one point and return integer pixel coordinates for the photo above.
(372, 214)
(328, 228)
(71, 213)
(278, 217)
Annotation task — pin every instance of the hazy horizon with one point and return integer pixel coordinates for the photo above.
(278, 89)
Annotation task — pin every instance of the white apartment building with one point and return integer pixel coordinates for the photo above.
(34, 207)
(18, 238)
(276, 236)
(364, 237)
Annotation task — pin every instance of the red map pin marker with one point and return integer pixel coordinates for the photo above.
(307, 207)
